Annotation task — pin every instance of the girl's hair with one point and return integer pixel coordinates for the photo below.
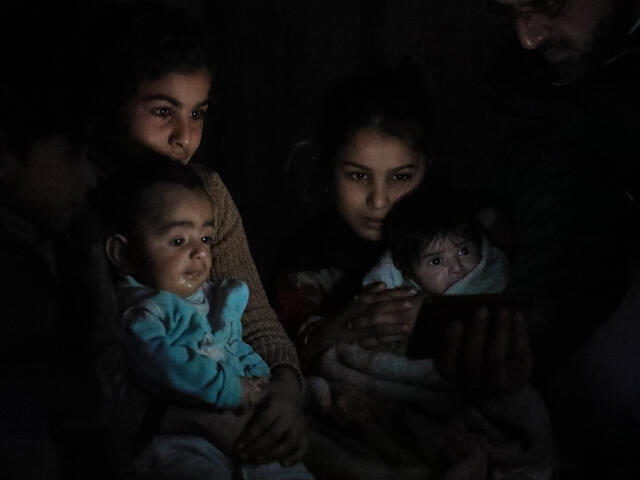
(139, 41)
(419, 218)
(118, 200)
(130, 43)
(391, 101)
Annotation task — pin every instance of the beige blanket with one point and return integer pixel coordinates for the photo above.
(379, 415)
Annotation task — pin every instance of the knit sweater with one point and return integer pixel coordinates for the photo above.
(232, 259)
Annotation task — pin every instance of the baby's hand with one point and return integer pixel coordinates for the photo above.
(251, 390)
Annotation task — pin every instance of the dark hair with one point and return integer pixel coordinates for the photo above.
(390, 100)
(140, 41)
(131, 43)
(118, 200)
(419, 218)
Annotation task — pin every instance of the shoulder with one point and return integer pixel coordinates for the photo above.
(210, 178)
(133, 296)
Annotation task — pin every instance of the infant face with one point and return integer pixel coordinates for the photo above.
(445, 261)
(174, 239)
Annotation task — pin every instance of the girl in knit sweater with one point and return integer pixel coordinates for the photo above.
(149, 87)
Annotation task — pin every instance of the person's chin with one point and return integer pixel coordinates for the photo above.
(564, 67)
(370, 234)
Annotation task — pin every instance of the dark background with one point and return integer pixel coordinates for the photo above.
(274, 61)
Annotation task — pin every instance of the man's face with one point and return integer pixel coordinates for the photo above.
(571, 35)
(51, 183)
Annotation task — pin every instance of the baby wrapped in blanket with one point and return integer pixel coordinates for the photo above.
(397, 411)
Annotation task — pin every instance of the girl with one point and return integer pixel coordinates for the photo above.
(150, 90)
(376, 414)
(375, 141)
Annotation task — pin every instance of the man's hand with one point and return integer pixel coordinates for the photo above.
(489, 353)
(277, 430)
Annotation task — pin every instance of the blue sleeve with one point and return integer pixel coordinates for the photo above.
(251, 363)
(162, 344)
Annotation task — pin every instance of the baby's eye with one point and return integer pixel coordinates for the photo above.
(176, 242)
(463, 251)
(358, 176)
(207, 240)
(162, 112)
(434, 261)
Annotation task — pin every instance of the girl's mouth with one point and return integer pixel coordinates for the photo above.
(374, 223)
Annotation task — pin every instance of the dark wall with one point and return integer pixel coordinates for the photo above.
(276, 59)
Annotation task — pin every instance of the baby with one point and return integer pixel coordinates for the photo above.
(439, 248)
(183, 334)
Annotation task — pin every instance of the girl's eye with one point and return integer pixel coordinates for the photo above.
(402, 177)
(359, 176)
(434, 261)
(207, 240)
(464, 251)
(197, 115)
(176, 242)
(161, 112)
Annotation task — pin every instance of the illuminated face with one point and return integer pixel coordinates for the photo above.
(172, 249)
(167, 114)
(443, 262)
(569, 34)
(371, 174)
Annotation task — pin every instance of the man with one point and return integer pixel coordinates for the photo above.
(574, 37)
(581, 78)
(564, 119)
(579, 74)
(53, 401)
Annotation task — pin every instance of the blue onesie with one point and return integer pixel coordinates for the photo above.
(189, 348)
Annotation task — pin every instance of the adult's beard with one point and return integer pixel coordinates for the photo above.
(608, 40)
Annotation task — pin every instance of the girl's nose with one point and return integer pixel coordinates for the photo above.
(532, 29)
(182, 134)
(378, 196)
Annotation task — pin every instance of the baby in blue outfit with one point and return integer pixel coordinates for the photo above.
(182, 332)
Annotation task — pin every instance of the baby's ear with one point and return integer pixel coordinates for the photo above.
(117, 248)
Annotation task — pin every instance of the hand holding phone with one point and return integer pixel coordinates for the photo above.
(478, 341)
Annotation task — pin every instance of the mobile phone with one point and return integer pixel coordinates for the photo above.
(437, 313)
